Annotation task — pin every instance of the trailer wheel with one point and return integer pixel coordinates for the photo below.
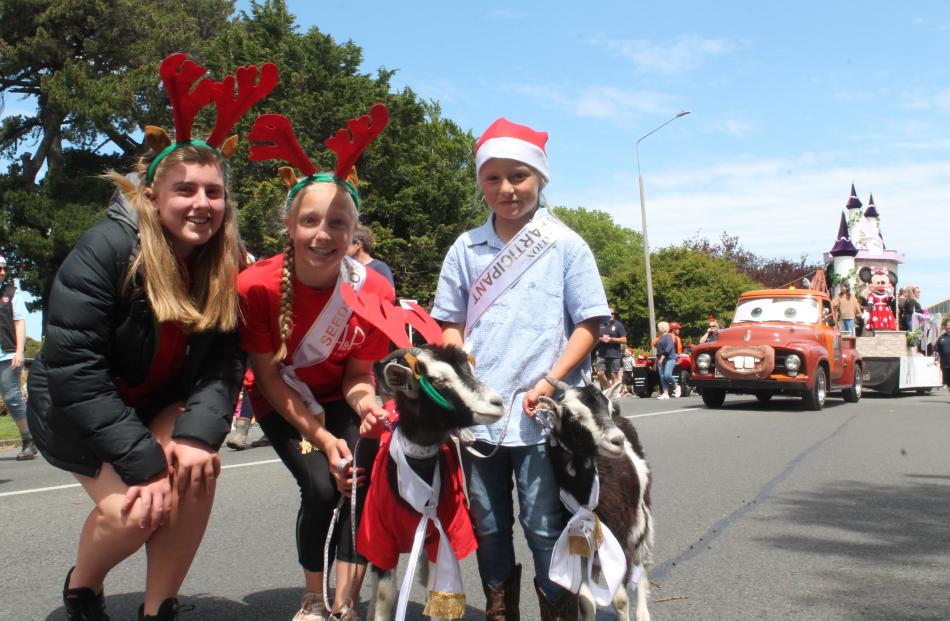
(714, 397)
(815, 398)
(924, 391)
(853, 394)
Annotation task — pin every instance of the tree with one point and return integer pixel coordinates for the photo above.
(770, 273)
(89, 68)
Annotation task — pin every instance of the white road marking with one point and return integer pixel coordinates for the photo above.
(37, 490)
(666, 412)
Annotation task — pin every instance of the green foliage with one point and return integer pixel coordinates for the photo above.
(32, 347)
(8, 429)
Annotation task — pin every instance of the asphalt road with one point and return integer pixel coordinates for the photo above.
(762, 512)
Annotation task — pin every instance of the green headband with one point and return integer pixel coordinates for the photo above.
(324, 178)
(150, 176)
(433, 394)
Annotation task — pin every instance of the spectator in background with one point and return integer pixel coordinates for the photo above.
(613, 337)
(943, 352)
(846, 307)
(12, 344)
(361, 249)
(712, 332)
(665, 358)
(909, 306)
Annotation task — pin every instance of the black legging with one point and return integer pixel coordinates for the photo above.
(318, 493)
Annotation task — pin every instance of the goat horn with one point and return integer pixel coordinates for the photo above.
(562, 386)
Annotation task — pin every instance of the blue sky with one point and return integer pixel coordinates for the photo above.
(790, 103)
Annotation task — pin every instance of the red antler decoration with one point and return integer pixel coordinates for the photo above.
(178, 75)
(363, 129)
(231, 107)
(392, 320)
(277, 133)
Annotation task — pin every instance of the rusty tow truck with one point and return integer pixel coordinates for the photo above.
(780, 342)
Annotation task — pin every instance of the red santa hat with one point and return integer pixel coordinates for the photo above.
(504, 139)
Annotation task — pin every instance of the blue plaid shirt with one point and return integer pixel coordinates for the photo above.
(521, 336)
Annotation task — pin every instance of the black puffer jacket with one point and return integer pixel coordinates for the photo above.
(97, 333)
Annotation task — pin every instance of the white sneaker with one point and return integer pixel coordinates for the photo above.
(663, 395)
(677, 391)
(311, 608)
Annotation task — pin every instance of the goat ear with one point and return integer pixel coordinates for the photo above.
(613, 391)
(401, 379)
(615, 402)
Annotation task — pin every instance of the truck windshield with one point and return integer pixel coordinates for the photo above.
(786, 310)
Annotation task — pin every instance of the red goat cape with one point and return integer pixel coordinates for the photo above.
(388, 524)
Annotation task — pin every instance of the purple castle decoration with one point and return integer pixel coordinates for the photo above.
(871, 211)
(843, 246)
(853, 201)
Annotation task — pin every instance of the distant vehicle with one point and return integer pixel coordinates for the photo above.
(646, 379)
(780, 342)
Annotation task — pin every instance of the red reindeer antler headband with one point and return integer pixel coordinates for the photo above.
(277, 141)
(179, 74)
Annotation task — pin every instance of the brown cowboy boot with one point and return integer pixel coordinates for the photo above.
(564, 609)
(502, 601)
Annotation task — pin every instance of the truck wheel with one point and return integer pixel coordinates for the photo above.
(685, 388)
(853, 394)
(815, 398)
(763, 397)
(714, 397)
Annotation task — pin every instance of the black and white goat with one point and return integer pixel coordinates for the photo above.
(436, 393)
(590, 439)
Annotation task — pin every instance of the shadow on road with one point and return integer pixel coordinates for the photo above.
(260, 606)
(894, 540)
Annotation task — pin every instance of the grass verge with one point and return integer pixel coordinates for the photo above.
(8, 429)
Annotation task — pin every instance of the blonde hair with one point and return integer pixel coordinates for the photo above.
(285, 322)
(207, 299)
(663, 327)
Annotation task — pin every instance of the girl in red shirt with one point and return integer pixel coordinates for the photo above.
(305, 348)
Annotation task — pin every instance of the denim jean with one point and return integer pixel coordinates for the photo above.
(847, 326)
(666, 375)
(541, 513)
(10, 389)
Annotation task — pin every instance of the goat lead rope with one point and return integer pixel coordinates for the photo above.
(329, 539)
(504, 430)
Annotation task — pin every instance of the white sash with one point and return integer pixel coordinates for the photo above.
(566, 565)
(445, 582)
(317, 344)
(519, 254)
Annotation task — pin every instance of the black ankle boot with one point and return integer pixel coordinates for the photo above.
(83, 604)
(168, 611)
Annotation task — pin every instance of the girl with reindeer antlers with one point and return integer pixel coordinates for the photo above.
(134, 388)
(312, 358)
(523, 294)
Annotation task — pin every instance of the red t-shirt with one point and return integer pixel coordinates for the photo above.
(259, 288)
(388, 525)
(166, 365)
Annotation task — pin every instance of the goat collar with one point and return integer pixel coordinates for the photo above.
(417, 451)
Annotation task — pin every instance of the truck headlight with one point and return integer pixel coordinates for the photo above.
(702, 362)
(793, 363)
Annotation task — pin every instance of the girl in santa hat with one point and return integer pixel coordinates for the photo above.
(523, 294)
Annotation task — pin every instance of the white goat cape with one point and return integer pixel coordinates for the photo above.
(566, 569)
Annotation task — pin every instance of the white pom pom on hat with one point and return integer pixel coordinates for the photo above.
(507, 140)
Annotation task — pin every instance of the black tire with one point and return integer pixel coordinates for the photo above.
(814, 399)
(924, 391)
(763, 397)
(853, 394)
(714, 397)
(685, 389)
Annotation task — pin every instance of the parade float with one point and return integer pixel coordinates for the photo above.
(894, 360)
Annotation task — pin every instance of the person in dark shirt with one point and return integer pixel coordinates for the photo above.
(613, 336)
(943, 352)
(361, 249)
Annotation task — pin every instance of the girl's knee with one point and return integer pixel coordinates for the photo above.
(111, 522)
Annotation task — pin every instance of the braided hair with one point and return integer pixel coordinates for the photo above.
(286, 322)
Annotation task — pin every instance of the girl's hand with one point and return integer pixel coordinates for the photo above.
(533, 396)
(196, 466)
(373, 419)
(338, 453)
(155, 498)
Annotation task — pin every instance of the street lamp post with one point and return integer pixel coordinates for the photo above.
(643, 219)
